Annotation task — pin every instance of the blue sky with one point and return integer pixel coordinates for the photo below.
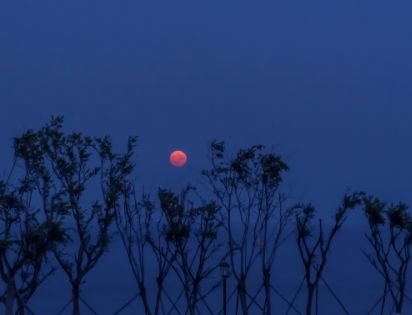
(327, 84)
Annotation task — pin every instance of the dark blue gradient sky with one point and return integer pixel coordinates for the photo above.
(327, 84)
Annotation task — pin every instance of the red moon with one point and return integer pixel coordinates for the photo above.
(178, 158)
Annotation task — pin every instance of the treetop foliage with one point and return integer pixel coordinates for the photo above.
(68, 195)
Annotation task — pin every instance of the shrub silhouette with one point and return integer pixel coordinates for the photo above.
(68, 195)
(67, 169)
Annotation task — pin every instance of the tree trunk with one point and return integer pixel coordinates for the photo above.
(399, 305)
(21, 305)
(192, 307)
(266, 284)
(384, 298)
(76, 299)
(10, 297)
(309, 301)
(143, 295)
(193, 299)
(242, 295)
(159, 281)
(22, 310)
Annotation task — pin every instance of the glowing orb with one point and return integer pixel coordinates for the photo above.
(178, 158)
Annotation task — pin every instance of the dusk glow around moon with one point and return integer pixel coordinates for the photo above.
(178, 158)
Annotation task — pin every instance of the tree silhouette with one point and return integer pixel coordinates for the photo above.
(70, 170)
(390, 238)
(314, 246)
(25, 241)
(246, 188)
(67, 193)
(192, 231)
(140, 223)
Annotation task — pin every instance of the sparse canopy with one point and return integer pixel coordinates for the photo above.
(253, 212)
(67, 193)
(79, 180)
(26, 239)
(390, 239)
(314, 244)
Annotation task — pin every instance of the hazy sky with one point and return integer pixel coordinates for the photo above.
(327, 84)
